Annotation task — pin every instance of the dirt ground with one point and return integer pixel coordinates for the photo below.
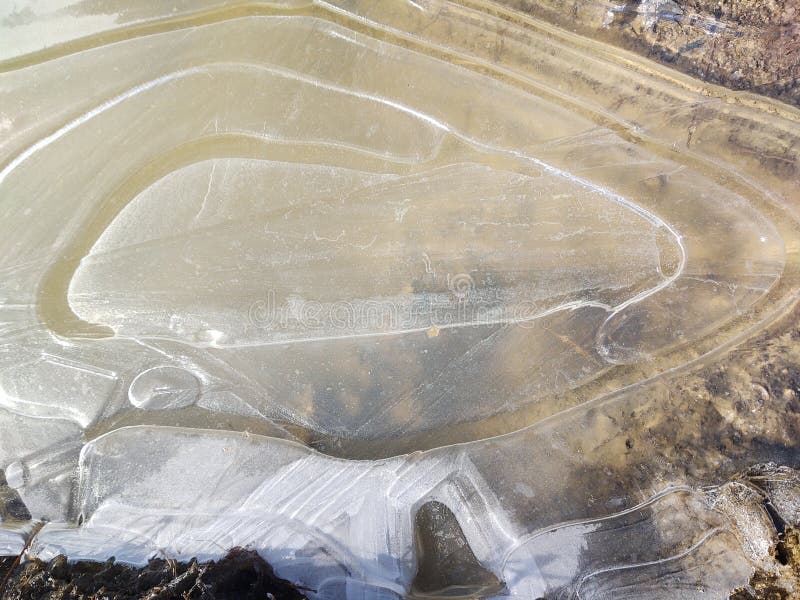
(775, 586)
(750, 45)
(241, 575)
(742, 410)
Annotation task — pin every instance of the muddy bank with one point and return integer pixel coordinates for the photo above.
(241, 575)
(751, 45)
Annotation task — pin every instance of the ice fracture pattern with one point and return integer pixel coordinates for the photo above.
(286, 274)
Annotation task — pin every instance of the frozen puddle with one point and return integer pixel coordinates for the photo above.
(287, 277)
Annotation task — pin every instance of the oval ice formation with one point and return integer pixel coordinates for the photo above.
(262, 252)
(163, 388)
(279, 227)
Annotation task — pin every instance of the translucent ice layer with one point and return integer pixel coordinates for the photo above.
(266, 264)
(340, 525)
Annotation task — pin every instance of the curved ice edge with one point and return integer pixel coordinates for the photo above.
(518, 315)
(325, 522)
(655, 220)
(600, 346)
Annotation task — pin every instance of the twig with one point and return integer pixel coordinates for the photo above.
(17, 560)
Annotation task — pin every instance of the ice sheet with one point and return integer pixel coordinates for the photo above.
(374, 230)
(367, 276)
(328, 522)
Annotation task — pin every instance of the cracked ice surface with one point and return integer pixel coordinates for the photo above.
(321, 226)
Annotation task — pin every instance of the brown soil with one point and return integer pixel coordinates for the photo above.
(241, 575)
(750, 45)
(783, 585)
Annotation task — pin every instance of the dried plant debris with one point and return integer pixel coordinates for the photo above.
(241, 575)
